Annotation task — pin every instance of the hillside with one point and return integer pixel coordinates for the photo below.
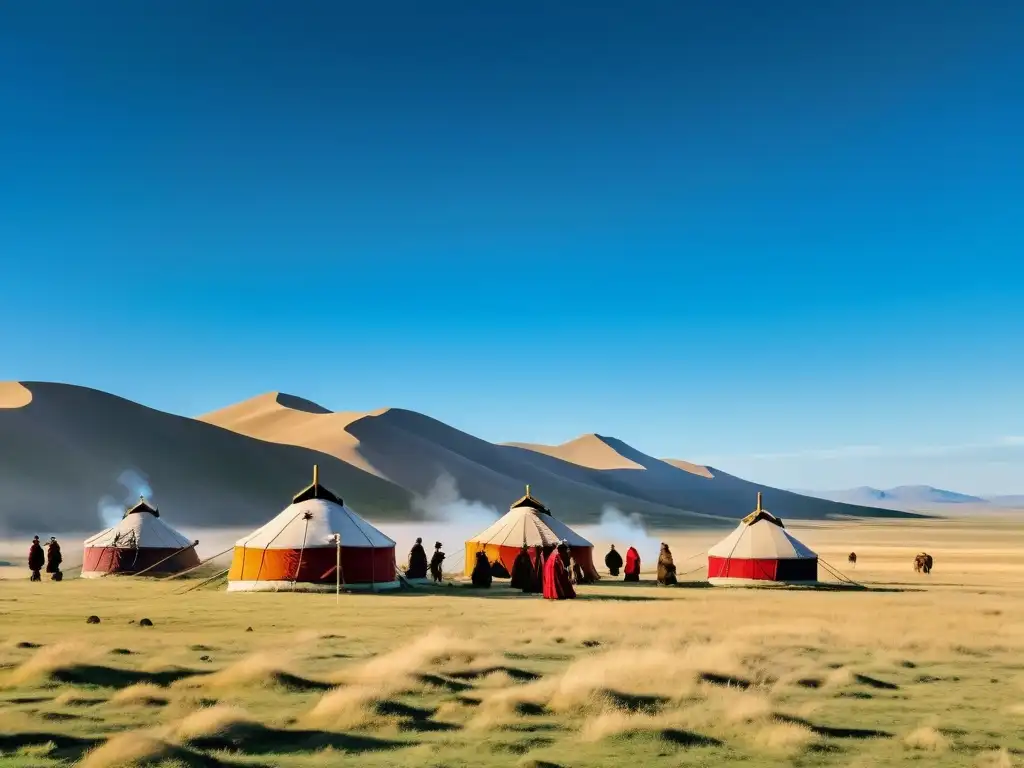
(63, 447)
(577, 479)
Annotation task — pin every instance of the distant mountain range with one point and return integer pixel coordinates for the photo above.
(915, 497)
(65, 452)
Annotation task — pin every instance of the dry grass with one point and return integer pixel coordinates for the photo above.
(921, 668)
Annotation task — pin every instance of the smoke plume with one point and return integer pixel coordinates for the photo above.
(624, 531)
(448, 518)
(135, 484)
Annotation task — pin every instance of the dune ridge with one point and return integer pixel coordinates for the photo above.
(62, 447)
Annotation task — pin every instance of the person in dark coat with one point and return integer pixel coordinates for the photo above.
(632, 565)
(36, 559)
(54, 559)
(521, 570)
(556, 576)
(613, 561)
(537, 572)
(482, 571)
(666, 567)
(417, 562)
(435, 563)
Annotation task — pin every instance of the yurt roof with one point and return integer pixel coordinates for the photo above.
(142, 506)
(312, 521)
(137, 531)
(524, 524)
(760, 536)
(316, 491)
(530, 502)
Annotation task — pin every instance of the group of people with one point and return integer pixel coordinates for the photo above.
(666, 565)
(551, 570)
(418, 565)
(51, 559)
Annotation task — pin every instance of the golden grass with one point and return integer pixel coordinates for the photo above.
(920, 668)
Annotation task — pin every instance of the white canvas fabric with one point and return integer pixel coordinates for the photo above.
(139, 530)
(525, 525)
(761, 540)
(290, 529)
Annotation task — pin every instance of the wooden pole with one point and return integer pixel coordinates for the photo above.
(160, 562)
(337, 569)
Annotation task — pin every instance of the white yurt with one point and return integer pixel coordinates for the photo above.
(760, 551)
(529, 523)
(141, 541)
(302, 547)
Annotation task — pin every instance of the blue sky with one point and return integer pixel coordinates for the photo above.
(781, 237)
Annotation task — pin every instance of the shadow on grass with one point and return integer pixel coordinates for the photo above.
(257, 739)
(62, 746)
(516, 673)
(835, 732)
(112, 677)
(412, 718)
(726, 680)
(874, 682)
(437, 681)
(635, 702)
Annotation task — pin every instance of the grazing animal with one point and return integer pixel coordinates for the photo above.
(852, 559)
(923, 563)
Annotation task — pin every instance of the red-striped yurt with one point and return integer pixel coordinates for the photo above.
(761, 552)
(531, 523)
(141, 541)
(299, 549)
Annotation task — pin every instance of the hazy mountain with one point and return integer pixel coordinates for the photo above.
(901, 497)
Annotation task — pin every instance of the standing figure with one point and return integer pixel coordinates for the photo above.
(613, 561)
(537, 571)
(481, 576)
(521, 570)
(435, 562)
(54, 559)
(576, 571)
(632, 565)
(556, 576)
(36, 559)
(417, 562)
(666, 567)
(852, 559)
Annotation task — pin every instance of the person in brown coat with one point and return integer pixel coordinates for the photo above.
(53, 559)
(435, 563)
(666, 567)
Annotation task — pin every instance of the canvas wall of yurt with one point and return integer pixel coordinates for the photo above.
(760, 551)
(141, 541)
(527, 522)
(303, 546)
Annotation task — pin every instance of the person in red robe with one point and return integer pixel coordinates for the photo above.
(632, 572)
(556, 576)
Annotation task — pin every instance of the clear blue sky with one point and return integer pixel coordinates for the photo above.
(784, 237)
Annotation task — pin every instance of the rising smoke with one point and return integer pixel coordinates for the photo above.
(134, 483)
(624, 531)
(448, 518)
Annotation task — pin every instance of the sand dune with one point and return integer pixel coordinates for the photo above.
(63, 447)
(577, 479)
(63, 450)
